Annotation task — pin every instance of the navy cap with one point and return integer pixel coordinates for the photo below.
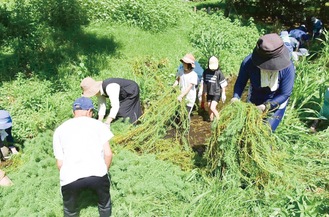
(83, 103)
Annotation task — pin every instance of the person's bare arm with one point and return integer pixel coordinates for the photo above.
(59, 164)
(107, 155)
(184, 93)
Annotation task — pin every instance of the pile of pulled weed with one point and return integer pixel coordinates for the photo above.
(164, 115)
(242, 146)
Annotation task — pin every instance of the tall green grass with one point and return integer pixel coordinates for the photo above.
(143, 185)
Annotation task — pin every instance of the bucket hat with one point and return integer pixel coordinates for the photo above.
(270, 53)
(189, 59)
(90, 87)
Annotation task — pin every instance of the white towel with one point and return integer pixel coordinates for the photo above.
(269, 79)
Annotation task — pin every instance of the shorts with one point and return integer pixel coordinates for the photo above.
(213, 98)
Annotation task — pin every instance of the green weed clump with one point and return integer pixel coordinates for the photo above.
(146, 186)
(312, 79)
(242, 146)
(165, 117)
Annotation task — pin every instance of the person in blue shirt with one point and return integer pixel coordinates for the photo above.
(317, 27)
(301, 35)
(271, 74)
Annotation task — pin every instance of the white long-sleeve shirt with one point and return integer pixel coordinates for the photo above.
(113, 91)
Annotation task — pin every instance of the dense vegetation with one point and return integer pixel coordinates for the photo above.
(47, 47)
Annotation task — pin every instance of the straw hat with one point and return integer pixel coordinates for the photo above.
(4, 180)
(270, 53)
(90, 87)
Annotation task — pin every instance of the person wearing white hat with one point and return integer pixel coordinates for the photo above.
(214, 84)
(5, 132)
(187, 81)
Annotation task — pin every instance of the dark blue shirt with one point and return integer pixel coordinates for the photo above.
(260, 95)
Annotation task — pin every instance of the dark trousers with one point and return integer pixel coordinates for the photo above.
(9, 138)
(100, 185)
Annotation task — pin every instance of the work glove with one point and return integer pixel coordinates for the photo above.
(179, 98)
(234, 99)
(261, 107)
(223, 98)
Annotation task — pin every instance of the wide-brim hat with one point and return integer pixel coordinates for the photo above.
(90, 87)
(5, 120)
(188, 59)
(270, 53)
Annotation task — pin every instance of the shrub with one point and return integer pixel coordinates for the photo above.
(219, 36)
(4, 23)
(150, 15)
(62, 14)
(33, 105)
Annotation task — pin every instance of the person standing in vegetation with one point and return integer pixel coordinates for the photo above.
(317, 27)
(83, 156)
(187, 81)
(123, 95)
(214, 84)
(271, 74)
(199, 71)
(5, 132)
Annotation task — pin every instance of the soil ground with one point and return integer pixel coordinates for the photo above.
(200, 128)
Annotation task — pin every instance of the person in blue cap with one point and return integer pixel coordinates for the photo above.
(5, 132)
(83, 157)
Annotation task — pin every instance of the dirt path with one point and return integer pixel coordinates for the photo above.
(200, 130)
